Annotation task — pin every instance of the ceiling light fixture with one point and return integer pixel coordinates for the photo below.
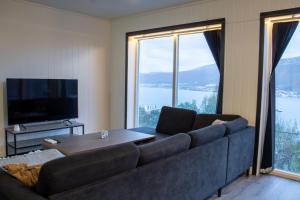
(285, 18)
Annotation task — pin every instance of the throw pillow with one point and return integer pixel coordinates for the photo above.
(218, 121)
(28, 175)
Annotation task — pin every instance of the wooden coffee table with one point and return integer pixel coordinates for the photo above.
(72, 144)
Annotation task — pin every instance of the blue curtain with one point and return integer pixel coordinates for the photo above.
(213, 39)
(281, 36)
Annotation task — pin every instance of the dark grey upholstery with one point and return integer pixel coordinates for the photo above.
(11, 188)
(236, 125)
(192, 175)
(206, 135)
(240, 152)
(203, 120)
(175, 120)
(76, 170)
(150, 131)
(164, 148)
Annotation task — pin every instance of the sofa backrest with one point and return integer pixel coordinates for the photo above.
(206, 135)
(203, 120)
(175, 120)
(76, 170)
(191, 175)
(236, 125)
(164, 148)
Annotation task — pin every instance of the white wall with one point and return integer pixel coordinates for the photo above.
(41, 42)
(241, 48)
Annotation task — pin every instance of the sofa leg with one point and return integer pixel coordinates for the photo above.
(248, 172)
(219, 192)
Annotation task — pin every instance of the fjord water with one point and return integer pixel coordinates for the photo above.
(288, 108)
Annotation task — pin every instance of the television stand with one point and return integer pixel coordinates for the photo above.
(67, 122)
(14, 145)
(22, 126)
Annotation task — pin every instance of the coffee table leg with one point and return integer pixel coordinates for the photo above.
(15, 144)
(6, 144)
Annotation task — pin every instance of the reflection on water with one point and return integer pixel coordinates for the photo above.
(288, 109)
(158, 97)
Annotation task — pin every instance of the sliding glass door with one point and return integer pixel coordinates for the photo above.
(198, 75)
(155, 79)
(287, 112)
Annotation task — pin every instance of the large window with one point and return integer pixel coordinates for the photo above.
(287, 111)
(175, 68)
(155, 80)
(279, 114)
(198, 75)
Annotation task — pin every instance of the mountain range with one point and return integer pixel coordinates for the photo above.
(287, 76)
(200, 76)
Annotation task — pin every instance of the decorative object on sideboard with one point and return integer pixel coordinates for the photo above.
(103, 134)
(17, 128)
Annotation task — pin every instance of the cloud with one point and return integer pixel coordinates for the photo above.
(292, 49)
(156, 55)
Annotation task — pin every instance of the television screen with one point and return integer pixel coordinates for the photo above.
(38, 100)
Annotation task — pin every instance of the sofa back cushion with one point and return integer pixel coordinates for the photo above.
(205, 135)
(72, 171)
(236, 125)
(203, 120)
(175, 120)
(164, 148)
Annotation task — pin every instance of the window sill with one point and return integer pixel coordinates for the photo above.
(285, 174)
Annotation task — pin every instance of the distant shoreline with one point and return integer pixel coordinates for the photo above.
(209, 88)
(213, 88)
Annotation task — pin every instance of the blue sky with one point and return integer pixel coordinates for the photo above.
(156, 55)
(292, 49)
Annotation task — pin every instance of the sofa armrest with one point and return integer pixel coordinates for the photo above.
(12, 189)
(240, 152)
(203, 120)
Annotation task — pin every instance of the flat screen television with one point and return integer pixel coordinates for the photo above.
(39, 100)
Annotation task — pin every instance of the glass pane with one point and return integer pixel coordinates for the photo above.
(155, 79)
(287, 132)
(198, 76)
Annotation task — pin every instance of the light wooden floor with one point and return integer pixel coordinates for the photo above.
(265, 187)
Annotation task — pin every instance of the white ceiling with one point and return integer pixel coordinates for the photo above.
(111, 8)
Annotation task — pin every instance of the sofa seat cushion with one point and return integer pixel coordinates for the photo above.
(205, 135)
(79, 169)
(150, 131)
(175, 120)
(236, 125)
(164, 148)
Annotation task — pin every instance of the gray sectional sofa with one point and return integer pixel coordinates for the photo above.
(189, 160)
(241, 137)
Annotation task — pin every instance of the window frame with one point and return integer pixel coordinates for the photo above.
(175, 62)
(261, 63)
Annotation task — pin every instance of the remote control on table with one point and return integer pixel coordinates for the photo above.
(49, 140)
